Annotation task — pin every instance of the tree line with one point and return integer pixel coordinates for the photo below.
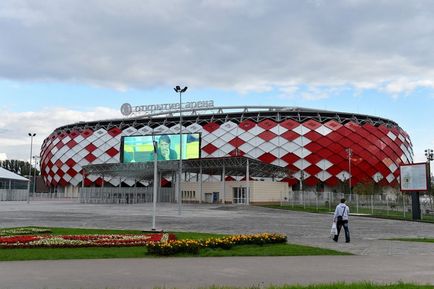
(18, 167)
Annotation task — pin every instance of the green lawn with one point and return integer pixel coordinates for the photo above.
(363, 285)
(364, 212)
(426, 240)
(141, 252)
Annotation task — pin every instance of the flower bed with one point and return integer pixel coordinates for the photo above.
(73, 241)
(193, 246)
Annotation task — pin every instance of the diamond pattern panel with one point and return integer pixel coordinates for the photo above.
(316, 148)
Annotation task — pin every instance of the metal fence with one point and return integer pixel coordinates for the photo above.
(379, 204)
(121, 195)
(13, 195)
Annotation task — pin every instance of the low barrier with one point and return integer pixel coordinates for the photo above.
(13, 195)
(124, 195)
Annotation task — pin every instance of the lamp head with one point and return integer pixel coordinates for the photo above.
(184, 89)
(177, 88)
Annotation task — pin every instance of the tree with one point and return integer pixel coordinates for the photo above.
(18, 167)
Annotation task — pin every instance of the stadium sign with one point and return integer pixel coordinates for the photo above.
(127, 109)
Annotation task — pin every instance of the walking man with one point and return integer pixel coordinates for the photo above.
(341, 218)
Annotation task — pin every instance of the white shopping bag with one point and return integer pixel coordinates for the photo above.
(334, 230)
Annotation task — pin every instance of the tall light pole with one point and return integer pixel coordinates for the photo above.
(350, 153)
(34, 174)
(180, 90)
(429, 153)
(31, 135)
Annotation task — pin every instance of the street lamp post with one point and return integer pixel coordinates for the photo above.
(31, 135)
(350, 153)
(429, 153)
(34, 174)
(180, 90)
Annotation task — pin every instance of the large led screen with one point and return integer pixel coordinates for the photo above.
(140, 148)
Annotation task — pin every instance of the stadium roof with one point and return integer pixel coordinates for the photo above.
(234, 166)
(6, 174)
(234, 113)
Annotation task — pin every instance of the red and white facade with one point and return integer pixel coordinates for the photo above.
(313, 145)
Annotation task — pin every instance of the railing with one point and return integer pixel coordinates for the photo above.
(375, 204)
(13, 195)
(124, 195)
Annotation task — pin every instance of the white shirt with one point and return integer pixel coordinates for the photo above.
(339, 211)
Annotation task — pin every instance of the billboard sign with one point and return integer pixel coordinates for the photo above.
(414, 177)
(140, 148)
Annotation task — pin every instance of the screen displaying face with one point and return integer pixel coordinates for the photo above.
(140, 148)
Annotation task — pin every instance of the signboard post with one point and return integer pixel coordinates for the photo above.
(414, 179)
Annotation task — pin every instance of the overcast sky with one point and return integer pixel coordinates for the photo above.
(65, 61)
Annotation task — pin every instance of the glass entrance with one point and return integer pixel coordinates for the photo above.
(239, 195)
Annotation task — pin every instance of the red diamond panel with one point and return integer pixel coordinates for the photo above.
(312, 124)
(211, 126)
(90, 147)
(313, 158)
(311, 181)
(247, 125)
(343, 131)
(313, 135)
(63, 183)
(267, 135)
(72, 143)
(352, 126)
(114, 131)
(313, 170)
(60, 173)
(334, 137)
(112, 152)
(267, 158)
(71, 172)
(90, 158)
(267, 124)
(87, 133)
(313, 147)
(289, 124)
(325, 153)
(71, 163)
(290, 135)
(236, 142)
(325, 142)
(290, 158)
(209, 148)
(333, 125)
(332, 181)
(335, 147)
(74, 134)
(236, 153)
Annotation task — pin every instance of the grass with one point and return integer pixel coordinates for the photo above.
(360, 285)
(365, 212)
(425, 240)
(140, 252)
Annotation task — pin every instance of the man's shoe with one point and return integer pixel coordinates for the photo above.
(347, 241)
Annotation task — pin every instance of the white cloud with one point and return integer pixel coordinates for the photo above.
(3, 157)
(242, 45)
(15, 126)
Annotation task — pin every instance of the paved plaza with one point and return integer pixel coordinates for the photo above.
(377, 259)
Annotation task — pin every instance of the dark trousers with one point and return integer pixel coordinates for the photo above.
(339, 225)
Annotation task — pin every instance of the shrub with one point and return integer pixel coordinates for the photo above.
(193, 246)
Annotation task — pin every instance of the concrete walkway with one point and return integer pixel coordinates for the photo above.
(378, 259)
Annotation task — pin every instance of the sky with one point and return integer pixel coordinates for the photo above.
(63, 61)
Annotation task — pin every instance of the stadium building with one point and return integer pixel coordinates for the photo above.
(288, 148)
